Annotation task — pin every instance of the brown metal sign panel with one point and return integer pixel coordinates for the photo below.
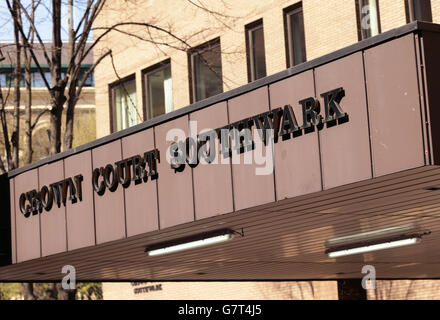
(109, 207)
(27, 228)
(53, 222)
(140, 196)
(12, 208)
(297, 167)
(212, 182)
(345, 146)
(250, 189)
(81, 214)
(394, 108)
(175, 189)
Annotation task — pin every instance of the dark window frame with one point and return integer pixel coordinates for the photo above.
(409, 11)
(112, 106)
(287, 12)
(248, 29)
(209, 45)
(358, 20)
(146, 108)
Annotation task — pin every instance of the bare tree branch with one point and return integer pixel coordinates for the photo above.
(37, 63)
(34, 29)
(37, 118)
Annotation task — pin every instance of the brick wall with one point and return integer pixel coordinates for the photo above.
(435, 7)
(329, 25)
(285, 290)
(303, 290)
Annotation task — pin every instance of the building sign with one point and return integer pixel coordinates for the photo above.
(35, 201)
(124, 171)
(271, 125)
(279, 122)
(140, 287)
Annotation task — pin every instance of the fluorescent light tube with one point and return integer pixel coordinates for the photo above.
(185, 245)
(373, 247)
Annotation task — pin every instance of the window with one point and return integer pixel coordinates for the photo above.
(123, 104)
(37, 80)
(3, 80)
(418, 10)
(294, 35)
(158, 90)
(256, 59)
(367, 14)
(7, 78)
(205, 71)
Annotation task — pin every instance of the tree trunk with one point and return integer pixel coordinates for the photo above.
(55, 126)
(52, 291)
(351, 289)
(28, 112)
(68, 135)
(58, 85)
(65, 294)
(15, 137)
(28, 108)
(5, 133)
(28, 291)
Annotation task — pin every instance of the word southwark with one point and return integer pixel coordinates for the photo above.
(281, 121)
(35, 201)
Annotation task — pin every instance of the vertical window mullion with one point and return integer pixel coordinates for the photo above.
(255, 50)
(156, 79)
(418, 10)
(294, 35)
(205, 70)
(289, 40)
(251, 54)
(193, 78)
(368, 18)
(123, 103)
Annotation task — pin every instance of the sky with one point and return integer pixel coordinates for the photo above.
(43, 19)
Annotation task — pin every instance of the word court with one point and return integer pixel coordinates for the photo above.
(137, 168)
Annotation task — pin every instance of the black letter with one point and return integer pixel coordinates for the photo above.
(138, 169)
(124, 174)
(25, 209)
(177, 158)
(113, 184)
(46, 198)
(78, 179)
(151, 158)
(208, 151)
(269, 120)
(72, 193)
(55, 189)
(192, 152)
(99, 189)
(289, 123)
(310, 109)
(332, 108)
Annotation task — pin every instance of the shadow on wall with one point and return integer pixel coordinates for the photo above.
(405, 290)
